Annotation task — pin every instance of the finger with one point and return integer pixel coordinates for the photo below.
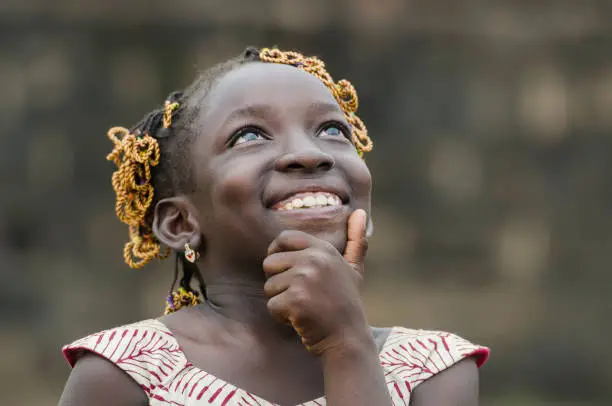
(280, 262)
(278, 283)
(291, 240)
(279, 308)
(356, 244)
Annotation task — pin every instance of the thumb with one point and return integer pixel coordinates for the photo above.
(356, 244)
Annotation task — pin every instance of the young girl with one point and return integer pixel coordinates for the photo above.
(253, 176)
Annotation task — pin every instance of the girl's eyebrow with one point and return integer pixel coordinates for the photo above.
(266, 112)
(260, 111)
(322, 108)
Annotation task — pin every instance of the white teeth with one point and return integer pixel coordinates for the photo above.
(312, 201)
(322, 200)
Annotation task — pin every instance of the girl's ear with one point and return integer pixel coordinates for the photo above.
(175, 223)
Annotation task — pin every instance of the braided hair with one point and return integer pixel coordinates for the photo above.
(151, 166)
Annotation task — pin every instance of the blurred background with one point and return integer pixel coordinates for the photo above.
(492, 199)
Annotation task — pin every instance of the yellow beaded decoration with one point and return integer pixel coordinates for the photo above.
(343, 91)
(181, 298)
(168, 109)
(134, 155)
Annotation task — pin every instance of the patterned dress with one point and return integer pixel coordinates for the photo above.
(149, 353)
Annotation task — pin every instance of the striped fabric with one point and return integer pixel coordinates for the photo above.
(150, 354)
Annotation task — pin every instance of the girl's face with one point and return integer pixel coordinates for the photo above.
(273, 137)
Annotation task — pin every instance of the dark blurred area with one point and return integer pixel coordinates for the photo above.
(492, 123)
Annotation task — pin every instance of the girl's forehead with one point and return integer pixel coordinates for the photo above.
(267, 83)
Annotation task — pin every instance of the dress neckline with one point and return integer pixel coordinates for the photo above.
(318, 401)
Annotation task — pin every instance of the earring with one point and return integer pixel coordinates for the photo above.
(191, 255)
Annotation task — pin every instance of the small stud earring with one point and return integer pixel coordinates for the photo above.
(191, 255)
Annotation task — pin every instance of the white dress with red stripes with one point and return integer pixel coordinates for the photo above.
(149, 353)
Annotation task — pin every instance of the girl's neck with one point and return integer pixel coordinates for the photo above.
(241, 301)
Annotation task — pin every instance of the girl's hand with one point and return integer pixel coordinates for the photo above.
(316, 290)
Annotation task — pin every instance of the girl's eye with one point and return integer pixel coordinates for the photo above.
(333, 130)
(246, 135)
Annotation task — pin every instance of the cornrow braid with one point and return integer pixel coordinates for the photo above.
(151, 166)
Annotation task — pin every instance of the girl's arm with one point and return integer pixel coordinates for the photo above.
(95, 381)
(353, 376)
(456, 386)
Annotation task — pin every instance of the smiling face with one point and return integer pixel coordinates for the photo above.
(273, 154)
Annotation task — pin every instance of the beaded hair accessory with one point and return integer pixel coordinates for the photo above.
(181, 298)
(135, 154)
(168, 109)
(343, 91)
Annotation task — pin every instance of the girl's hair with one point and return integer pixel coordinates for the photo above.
(151, 163)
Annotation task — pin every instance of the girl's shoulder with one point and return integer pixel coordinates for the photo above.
(412, 356)
(146, 350)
